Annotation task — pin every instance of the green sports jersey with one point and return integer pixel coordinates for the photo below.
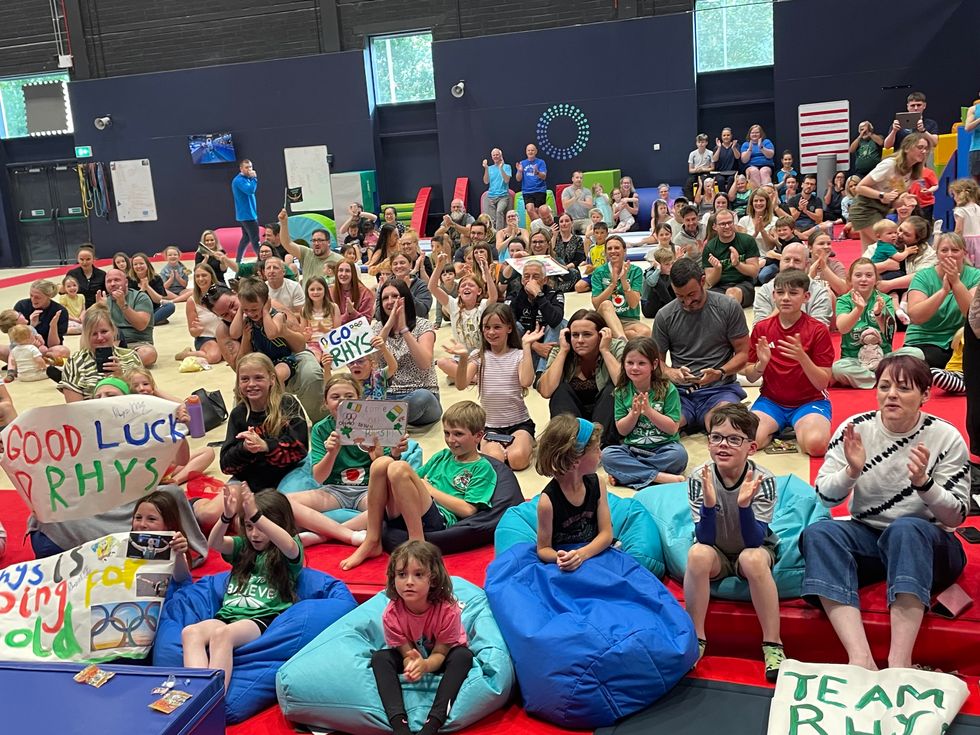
(474, 482)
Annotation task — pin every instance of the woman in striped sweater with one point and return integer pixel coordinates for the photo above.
(907, 474)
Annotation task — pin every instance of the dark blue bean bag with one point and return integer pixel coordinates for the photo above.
(633, 528)
(322, 600)
(796, 508)
(590, 646)
(473, 531)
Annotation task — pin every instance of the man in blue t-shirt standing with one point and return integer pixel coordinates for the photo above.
(497, 176)
(243, 189)
(533, 172)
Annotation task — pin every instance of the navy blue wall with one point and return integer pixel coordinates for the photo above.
(268, 106)
(851, 50)
(506, 95)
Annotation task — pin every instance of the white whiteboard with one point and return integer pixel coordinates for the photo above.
(132, 187)
(307, 167)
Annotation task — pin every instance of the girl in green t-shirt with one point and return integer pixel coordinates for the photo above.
(648, 415)
(341, 471)
(266, 558)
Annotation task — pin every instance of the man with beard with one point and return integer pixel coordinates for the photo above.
(546, 221)
(313, 261)
(456, 224)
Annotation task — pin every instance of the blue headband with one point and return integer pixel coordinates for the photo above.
(585, 429)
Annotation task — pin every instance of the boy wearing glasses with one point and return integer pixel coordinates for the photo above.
(732, 501)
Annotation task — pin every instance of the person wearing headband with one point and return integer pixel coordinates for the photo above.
(573, 510)
(111, 386)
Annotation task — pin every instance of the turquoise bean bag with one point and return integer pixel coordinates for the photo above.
(330, 684)
(634, 530)
(301, 478)
(796, 508)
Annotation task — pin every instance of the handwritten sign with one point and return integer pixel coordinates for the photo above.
(80, 459)
(96, 602)
(348, 342)
(551, 266)
(365, 422)
(828, 699)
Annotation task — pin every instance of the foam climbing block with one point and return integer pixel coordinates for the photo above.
(590, 646)
(473, 531)
(301, 226)
(796, 508)
(609, 178)
(330, 683)
(633, 528)
(322, 601)
(522, 210)
(421, 210)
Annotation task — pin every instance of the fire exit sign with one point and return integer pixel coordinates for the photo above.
(83, 151)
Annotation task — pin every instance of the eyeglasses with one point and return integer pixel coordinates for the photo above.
(732, 440)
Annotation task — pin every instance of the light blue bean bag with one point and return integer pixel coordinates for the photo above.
(590, 646)
(796, 508)
(301, 478)
(322, 600)
(330, 683)
(634, 530)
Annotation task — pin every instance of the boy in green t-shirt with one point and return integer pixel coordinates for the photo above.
(456, 483)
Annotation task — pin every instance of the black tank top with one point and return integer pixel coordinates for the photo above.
(574, 524)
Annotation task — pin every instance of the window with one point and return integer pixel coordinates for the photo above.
(14, 106)
(402, 68)
(732, 34)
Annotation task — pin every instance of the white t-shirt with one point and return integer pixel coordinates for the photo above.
(289, 294)
(886, 178)
(22, 357)
(465, 323)
(747, 223)
(970, 214)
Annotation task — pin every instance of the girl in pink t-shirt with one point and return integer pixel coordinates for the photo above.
(424, 633)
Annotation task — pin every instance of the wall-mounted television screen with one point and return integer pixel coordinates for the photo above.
(212, 148)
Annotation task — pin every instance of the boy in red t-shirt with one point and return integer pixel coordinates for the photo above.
(793, 354)
(924, 190)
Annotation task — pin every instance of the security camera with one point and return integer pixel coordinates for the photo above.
(459, 89)
(101, 123)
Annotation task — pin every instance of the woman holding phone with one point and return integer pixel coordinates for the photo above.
(97, 357)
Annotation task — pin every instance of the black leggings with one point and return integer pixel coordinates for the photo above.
(937, 357)
(387, 665)
(566, 400)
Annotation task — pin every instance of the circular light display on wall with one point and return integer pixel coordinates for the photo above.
(563, 113)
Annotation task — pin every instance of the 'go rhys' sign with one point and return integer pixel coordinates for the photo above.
(80, 459)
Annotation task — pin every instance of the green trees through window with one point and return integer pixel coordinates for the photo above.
(732, 34)
(402, 68)
(13, 113)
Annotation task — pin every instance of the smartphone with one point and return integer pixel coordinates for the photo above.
(970, 534)
(503, 439)
(102, 356)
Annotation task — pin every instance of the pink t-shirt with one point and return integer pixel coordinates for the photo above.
(442, 623)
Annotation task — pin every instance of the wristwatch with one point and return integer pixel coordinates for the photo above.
(881, 196)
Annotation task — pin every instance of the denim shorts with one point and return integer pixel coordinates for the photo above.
(913, 555)
(696, 403)
(199, 342)
(348, 497)
(784, 416)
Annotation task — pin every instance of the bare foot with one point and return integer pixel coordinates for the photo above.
(183, 353)
(612, 480)
(671, 478)
(364, 552)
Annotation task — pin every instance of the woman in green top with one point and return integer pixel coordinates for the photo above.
(341, 471)
(583, 369)
(866, 322)
(939, 300)
(616, 287)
